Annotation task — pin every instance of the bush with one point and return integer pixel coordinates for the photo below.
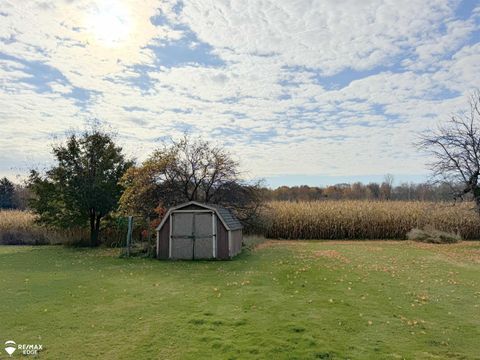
(433, 236)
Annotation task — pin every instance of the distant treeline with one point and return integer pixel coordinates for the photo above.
(15, 196)
(360, 191)
(12, 196)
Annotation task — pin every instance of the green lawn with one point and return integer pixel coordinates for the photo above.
(284, 300)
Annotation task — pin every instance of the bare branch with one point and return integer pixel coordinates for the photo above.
(455, 148)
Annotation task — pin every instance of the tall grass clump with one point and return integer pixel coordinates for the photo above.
(433, 236)
(366, 219)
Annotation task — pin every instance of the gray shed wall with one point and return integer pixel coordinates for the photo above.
(163, 240)
(236, 238)
(222, 241)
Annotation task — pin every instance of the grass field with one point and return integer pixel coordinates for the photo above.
(283, 300)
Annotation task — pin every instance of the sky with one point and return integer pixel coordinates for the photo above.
(310, 92)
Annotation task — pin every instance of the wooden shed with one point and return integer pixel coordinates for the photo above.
(199, 231)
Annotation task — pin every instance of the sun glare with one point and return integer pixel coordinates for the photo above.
(110, 24)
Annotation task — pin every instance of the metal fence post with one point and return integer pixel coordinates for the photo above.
(129, 234)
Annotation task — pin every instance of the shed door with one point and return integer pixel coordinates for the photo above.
(182, 231)
(203, 242)
(192, 235)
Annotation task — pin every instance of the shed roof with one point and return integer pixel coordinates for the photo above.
(229, 220)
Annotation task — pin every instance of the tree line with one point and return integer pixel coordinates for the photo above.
(358, 191)
(13, 196)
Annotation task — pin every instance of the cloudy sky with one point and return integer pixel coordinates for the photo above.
(300, 91)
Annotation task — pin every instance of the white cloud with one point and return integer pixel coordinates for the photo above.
(328, 35)
(270, 100)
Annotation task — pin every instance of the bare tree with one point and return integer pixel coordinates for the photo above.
(386, 187)
(199, 168)
(455, 147)
(190, 169)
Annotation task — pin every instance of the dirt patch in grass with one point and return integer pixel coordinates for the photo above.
(271, 243)
(461, 252)
(331, 254)
(265, 245)
(465, 250)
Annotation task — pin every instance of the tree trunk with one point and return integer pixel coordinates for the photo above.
(93, 236)
(477, 203)
(94, 228)
(151, 245)
(97, 230)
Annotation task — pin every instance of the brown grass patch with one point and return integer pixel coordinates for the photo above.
(270, 243)
(265, 245)
(331, 254)
(460, 252)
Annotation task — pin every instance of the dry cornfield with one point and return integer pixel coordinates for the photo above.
(15, 219)
(366, 219)
(298, 220)
(19, 227)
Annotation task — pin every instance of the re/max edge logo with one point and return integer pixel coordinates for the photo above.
(25, 349)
